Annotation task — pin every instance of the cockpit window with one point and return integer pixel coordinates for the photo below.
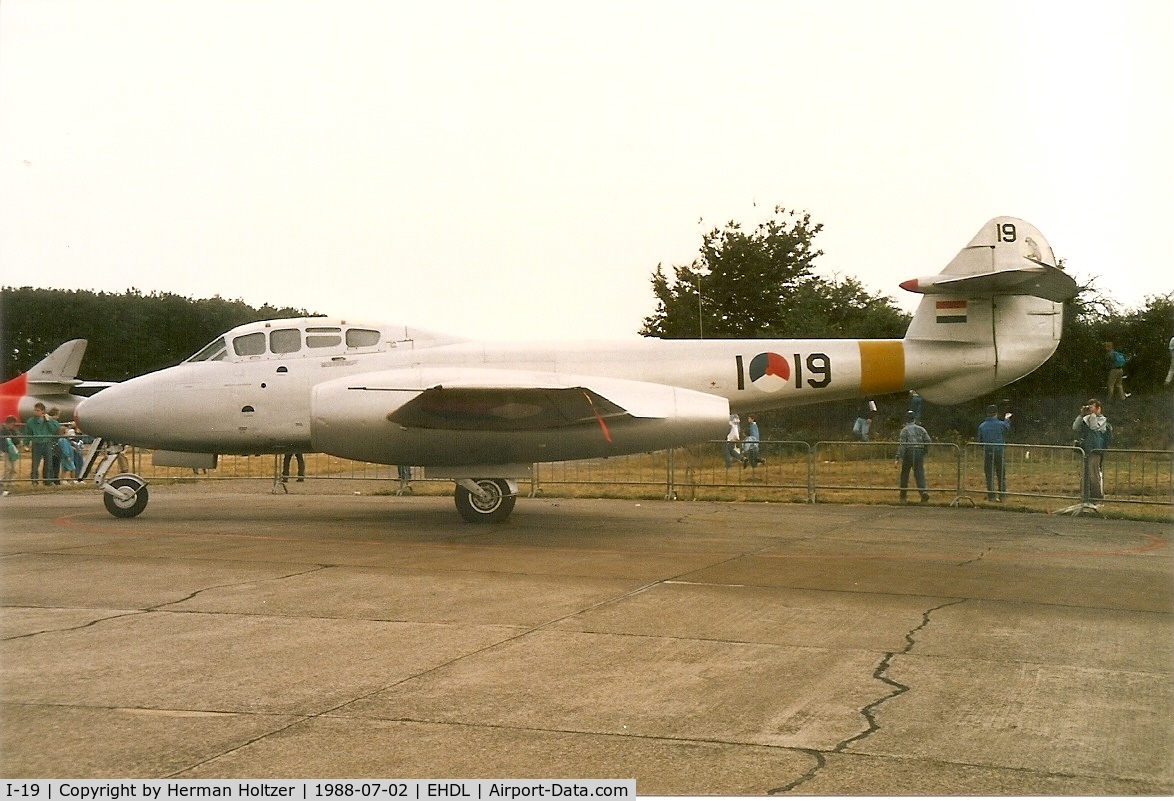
(213, 352)
(361, 338)
(249, 344)
(322, 337)
(285, 340)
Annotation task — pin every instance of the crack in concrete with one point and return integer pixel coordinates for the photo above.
(159, 607)
(130, 613)
(868, 711)
(162, 606)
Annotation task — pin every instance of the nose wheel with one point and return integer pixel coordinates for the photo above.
(125, 495)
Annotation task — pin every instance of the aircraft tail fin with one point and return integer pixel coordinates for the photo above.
(996, 307)
(59, 369)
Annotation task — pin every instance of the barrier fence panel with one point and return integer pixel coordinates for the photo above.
(1030, 471)
(849, 471)
(1144, 477)
(772, 470)
(646, 474)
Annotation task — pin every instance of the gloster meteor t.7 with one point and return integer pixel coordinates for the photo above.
(483, 414)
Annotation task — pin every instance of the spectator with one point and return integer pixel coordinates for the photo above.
(731, 451)
(863, 424)
(1095, 434)
(1170, 372)
(65, 463)
(913, 441)
(915, 405)
(992, 433)
(301, 467)
(10, 442)
(79, 443)
(750, 446)
(1115, 362)
(56, 455)
(41, 431)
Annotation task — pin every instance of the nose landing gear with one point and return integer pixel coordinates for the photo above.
(125, 495)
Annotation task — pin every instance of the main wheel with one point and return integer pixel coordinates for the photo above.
(131, 506)
(493, 508)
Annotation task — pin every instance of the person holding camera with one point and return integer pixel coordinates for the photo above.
(1095, 434)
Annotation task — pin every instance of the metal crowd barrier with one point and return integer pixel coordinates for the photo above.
(702, 471)
(780, 470)
(795, 471)
(1031, 471)
(842, 470)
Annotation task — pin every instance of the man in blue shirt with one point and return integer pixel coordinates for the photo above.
(913, 441)
(992, 433)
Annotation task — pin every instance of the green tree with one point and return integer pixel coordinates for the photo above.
(1091, 319)
(1143, 335)
(760, 284)
(129, 333)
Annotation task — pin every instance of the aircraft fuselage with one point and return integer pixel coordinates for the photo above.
(266, 401)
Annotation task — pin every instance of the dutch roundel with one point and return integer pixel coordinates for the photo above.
(769, 372)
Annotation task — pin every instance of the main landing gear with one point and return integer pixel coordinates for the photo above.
(486, 500)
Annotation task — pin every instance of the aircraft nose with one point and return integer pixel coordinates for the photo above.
(107, 415)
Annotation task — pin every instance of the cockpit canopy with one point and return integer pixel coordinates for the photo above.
(311, 336)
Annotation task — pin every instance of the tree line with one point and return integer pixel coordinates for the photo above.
(754, 283)
(129, 333)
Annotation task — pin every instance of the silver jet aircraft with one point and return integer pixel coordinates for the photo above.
(483, 414)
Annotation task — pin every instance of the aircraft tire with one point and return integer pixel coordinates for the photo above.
(129, 508)
(493, 509)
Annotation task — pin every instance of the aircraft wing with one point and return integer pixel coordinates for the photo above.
(505, 408)
(463, 415)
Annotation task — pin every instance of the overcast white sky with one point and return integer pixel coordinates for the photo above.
(519, 169)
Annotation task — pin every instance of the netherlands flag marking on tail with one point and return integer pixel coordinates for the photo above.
(951, 311)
